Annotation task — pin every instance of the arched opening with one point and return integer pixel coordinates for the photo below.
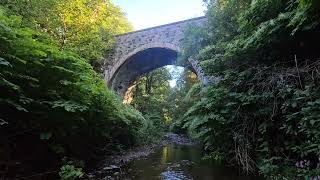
(151, 81)
(161, 93)
(140, 63)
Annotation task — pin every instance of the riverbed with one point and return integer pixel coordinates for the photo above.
(177, 159)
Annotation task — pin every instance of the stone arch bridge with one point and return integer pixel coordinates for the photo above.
(139, 52)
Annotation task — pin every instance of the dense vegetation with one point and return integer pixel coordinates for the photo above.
(160, 103)
(149, 97)
(85, 27)
(264, 113)
(57, 116)
(55, 109)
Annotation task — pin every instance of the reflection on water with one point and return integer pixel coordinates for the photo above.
(179, 162)
(164, 156)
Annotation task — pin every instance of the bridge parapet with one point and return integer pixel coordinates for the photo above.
(165, 34)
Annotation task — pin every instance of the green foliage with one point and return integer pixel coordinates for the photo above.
(69, 172)
(85, 27)
(263, 115)
(161, 104)
(152, 130)
(182, 97)
(55, 100)
(149, 95)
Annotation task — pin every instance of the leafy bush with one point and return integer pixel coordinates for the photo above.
(54, 101)
(89, 33)
(263, 114)
(69, 172)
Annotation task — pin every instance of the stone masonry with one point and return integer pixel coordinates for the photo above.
(139, 52)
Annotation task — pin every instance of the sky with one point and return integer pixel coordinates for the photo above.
(148, 13)
(175, 71)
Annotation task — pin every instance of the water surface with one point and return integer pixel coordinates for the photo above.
(181, 162)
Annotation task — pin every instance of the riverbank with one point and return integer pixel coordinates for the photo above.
(175, 157)
(114, 165)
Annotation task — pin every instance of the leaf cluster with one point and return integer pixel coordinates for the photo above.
(55, 98)
(263, 113)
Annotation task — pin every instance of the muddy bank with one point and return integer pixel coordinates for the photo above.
(114, 164)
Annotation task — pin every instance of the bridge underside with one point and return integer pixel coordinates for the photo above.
(139, 52)
(141, 63)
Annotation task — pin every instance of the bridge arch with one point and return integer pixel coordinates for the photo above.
(142, 60)
(136, 53)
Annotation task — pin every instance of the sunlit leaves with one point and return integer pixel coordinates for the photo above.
(53, 94)
(86, 27)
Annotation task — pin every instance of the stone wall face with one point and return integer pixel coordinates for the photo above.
(166, 36)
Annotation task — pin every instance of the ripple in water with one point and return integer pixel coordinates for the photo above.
(177, 171)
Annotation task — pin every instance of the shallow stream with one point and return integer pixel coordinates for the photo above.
(179, 162)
